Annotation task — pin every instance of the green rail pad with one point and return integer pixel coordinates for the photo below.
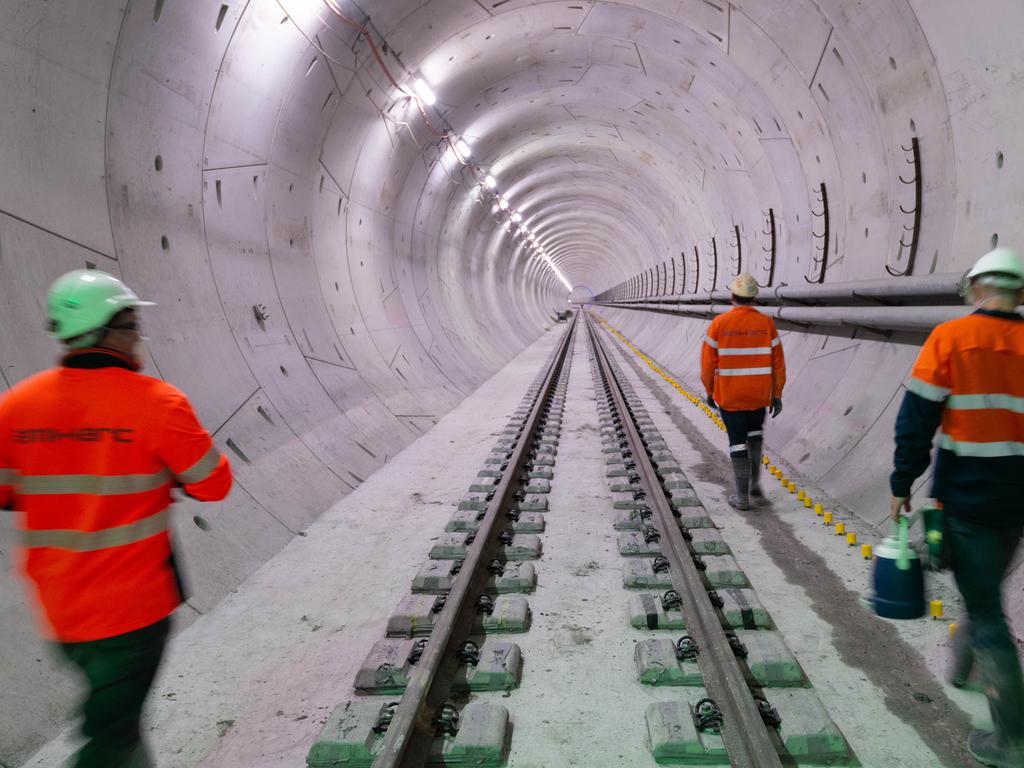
(674, 739)
(723, 571)
(548, 438)
(546, 449)
(771, 663)
(451, 546)
(618, 469)
(647, 612)
(657, 445)
(658, 664)
(684, 497)
(626, 501)
(632, 521)
(541, 473)
(436, 577)
(675, 482)
(534, 502)
(512, 430)
(543, 460)
(516, 577)
(668, 467)
(465, 520)
(615, 458)
(663, 457)
(693, 517)
(528, 522)
(499, 459)
(484, 484)
(506, 443)
(634, 545)
(498, 667)
(669, 472)
(741, 609)
(613, 447)
(475, 501)
(501, 451)
(415, 616)
(807, 732)
(707, 541)
(508, 614)
(524, 546)
(640, 574)
(537, 485)
(491, 471)
(387, 667)
(621, 485)
(348, 738)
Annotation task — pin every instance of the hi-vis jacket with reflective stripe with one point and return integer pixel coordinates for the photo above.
(89, 453)
(742, 364)
(970, 378)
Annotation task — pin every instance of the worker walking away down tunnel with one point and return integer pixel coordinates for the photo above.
(89, 453)
(744, 372)
(969, 379)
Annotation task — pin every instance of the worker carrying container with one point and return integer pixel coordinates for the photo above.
(89, 454)
(744, 372)
(969, 379)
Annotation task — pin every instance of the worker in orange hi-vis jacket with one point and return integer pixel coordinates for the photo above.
(744, 372)
(969, 380)
(89, 453)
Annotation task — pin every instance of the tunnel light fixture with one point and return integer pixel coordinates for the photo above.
(490, 182)
(462, 148)
(517, 217)
(495, 208)
(424, 92)
(503, 203)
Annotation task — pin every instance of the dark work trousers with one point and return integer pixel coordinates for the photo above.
(743, 426)
(120, 671)
(980, 556)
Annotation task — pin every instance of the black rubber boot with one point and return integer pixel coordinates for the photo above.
(755, 447)
(963, 656)
(1001, 676)
(741, 472)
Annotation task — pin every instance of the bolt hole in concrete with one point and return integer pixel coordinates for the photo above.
(165, 243)
(995, 239)
(158, 163)
(999, 159)
(284, 370)
(913, 126)
(892, 62)
(201, 523)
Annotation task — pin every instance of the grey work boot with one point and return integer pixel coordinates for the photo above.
(755, 447)
(985, 748)
(963, 656)
(741, 472)
(1004, 687)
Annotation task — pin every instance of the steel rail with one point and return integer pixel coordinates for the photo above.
(411, 730)
(746, 737)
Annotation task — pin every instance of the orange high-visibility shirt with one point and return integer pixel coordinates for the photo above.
(89, 453)
(742, 365)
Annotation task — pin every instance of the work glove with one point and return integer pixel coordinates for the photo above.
(776, 406)
(711, 402)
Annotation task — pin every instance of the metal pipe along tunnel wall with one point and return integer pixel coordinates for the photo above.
(332, 276)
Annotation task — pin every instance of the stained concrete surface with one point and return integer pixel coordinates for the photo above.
(882, 681)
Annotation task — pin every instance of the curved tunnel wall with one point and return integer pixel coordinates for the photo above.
(331, 279)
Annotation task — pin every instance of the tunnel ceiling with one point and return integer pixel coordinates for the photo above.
(627, 133)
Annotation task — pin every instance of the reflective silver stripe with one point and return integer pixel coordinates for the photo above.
(90, 541)
(982, 402)
(202, 469)
(94, 485)
(982, 450)
(746, 351)
(711, 342)
(6, 476)
(776, 341)
(928, 391)
(738, 447)
(744, 371)
(756, 433)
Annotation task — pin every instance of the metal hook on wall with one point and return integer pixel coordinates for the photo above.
(915, 160)
(769, 231)
(714, 263)
(820, 259)
(696, 278)
(737, 263)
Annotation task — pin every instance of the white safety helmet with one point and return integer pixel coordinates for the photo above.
(1000, 268)
(744, 286)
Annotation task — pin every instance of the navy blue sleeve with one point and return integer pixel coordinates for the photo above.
(916, 424)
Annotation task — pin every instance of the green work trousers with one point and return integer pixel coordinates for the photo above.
(119, 671)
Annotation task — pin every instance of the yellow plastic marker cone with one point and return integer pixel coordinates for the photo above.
(792, 487)
(851, 538)
(819, 509)
(840, 529)
(936, 609)
(828, 518)
(865, 551)
(765, 461)
(772, 469)
(801, 496)
(952, 629)
(807, 502)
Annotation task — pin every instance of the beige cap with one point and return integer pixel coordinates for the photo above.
(744, 285)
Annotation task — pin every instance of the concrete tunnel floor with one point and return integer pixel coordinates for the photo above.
(251, 683)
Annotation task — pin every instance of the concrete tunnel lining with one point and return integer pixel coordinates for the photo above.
(329, 287)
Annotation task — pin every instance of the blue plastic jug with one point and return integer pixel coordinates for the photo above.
(898, 578)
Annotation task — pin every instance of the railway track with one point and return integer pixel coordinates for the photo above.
(738, 696)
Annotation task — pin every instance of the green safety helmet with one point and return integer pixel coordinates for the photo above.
(85, 300)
